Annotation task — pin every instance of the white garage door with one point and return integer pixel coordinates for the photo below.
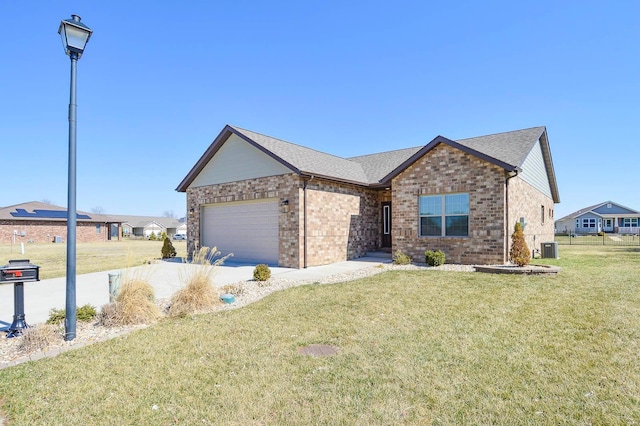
(249, 230)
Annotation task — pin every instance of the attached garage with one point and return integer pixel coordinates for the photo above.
(249, 230)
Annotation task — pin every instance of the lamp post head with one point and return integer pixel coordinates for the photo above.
(75, 35)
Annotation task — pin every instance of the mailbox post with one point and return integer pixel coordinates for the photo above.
(18, 272)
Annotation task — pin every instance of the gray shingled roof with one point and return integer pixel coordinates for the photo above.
(307, 160)
(377, 166)
(508, 149)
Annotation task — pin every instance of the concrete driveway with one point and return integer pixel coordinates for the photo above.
(166, 278)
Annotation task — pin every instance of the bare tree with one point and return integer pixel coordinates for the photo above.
(168, 213)
(97, 210)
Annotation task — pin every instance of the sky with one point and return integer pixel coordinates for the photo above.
(160, 79)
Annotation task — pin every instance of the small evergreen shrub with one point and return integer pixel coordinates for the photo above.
(84, 313)
(168, 250)
(519, 252)
(399, 258)
(261, 272)
(152, 236)
(434, 258)
(163, 235)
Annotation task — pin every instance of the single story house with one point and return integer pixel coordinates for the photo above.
(144, 226)
(40, 222)
(267, 200)
(607, 217)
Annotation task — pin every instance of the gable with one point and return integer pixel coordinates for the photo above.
(534, 171)
(237, 160)
(614, 209)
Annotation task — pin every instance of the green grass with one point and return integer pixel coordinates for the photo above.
(422, 347)
(90, 257)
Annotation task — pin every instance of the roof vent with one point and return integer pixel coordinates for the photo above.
(608, 205)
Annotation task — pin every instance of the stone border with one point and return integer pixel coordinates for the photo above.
(518, 270)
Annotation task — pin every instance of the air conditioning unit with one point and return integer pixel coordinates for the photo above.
(57, 239)
(550, 250)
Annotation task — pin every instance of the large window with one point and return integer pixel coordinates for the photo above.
(588, 223)
(444, 215)
(628, 222)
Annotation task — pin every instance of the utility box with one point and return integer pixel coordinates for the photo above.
(19, 271)
(550, 250)
(57, 239)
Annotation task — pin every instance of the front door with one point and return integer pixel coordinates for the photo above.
(386, 224)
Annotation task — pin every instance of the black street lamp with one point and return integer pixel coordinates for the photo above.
(75, 36)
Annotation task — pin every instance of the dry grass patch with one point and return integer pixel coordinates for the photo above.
(135, 304)
(39, 338)
(199, 294)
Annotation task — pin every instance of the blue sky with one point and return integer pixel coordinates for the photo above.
(160, 79)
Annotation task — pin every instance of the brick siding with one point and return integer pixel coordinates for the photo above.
(447, 170)
(342, 219)
(44, 231)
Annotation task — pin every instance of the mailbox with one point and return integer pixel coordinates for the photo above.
(19, 271)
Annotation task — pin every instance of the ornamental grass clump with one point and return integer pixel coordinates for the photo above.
(135, 304)
(519, 252)
(39, 337)
(199, 294)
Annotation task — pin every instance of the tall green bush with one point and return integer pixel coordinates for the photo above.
(168, 250)
(519, 252)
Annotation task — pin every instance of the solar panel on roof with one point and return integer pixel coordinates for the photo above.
(46, 214)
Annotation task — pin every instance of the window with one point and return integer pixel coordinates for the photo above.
(97, 228)
(628, 222)
(444, 215)
(589, 223)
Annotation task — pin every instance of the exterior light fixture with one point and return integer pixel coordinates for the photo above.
(75, 36)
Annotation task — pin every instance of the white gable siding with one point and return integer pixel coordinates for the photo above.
(237, 160)
(534, 171)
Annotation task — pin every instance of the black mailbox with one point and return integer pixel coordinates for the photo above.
(19, 271)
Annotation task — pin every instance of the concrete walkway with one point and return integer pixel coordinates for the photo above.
(166, 278)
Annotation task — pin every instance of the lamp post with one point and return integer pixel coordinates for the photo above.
(75, 36)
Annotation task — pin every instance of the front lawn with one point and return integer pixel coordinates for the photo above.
(425, 347)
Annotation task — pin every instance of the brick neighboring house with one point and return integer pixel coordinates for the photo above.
(267, 200)
(41, 223)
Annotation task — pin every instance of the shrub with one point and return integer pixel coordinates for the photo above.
(163, 235)
(84, 313)
(168, 250)
(261, 272)
(519, 252)
(152, 236)
(434, 258)
(399, 258)
(601, 234)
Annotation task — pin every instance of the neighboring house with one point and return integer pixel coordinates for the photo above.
(144, 226)
(607, 217)
(271, 201)
(40, 222)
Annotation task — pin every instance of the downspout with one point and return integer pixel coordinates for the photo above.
(506, 209)
(304, 221)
